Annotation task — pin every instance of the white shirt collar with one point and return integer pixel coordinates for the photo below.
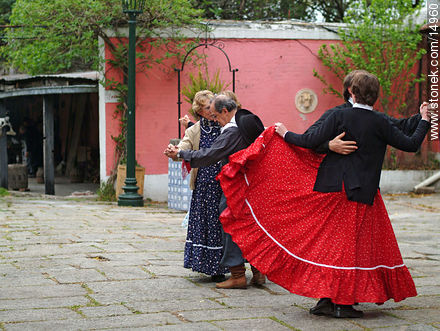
(231, 124)
(350, 99)
(359, 105)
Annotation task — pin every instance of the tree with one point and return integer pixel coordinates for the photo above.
(380, 37)
(5, 11)
(62, 35)
(333, 10)
(255, 9)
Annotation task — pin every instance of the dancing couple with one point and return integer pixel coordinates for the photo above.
(316, 223)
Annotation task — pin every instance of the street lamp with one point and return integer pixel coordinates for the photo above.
(130, 197)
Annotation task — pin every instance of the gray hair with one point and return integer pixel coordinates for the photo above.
(222, 101)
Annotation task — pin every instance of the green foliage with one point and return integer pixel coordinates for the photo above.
(333, 10)
(255, 9)
(381, 38)
(62, 35)
(3, 192)
(106, 191)
(201, 81)
(306, 10)
(5, 11)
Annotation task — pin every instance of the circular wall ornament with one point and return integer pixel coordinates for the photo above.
(306, 100)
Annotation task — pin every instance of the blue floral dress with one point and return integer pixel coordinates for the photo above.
(204, 245)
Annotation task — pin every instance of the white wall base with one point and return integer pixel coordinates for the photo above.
(156, 187)
(398, 181)
(392, 181)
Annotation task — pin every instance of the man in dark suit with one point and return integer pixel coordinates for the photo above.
(239, 129)
(340, 146)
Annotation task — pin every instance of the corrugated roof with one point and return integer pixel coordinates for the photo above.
(92, 75)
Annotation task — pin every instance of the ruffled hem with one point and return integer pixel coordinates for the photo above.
(344, 285)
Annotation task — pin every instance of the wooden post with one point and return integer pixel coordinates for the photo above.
(48, 132)
(3, 151)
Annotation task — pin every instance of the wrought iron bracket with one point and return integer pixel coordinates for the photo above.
(209, 41)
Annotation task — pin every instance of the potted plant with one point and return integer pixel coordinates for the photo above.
(122, 173)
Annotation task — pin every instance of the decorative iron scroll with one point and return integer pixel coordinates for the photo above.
(209, 41)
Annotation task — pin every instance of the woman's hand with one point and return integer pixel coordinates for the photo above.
(280, 129)
(171, 152)
(184, 121)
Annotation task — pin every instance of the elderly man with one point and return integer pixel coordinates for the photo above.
(239, 129)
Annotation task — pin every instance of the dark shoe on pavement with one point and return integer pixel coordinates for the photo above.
(323, 307)
(218, 278)
(346, 311)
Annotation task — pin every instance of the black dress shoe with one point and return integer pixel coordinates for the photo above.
(218, 278)
(346, 311)
(323, 307)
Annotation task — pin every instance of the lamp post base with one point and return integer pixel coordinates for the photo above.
(130, 197)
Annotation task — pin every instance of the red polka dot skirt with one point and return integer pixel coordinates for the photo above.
(313, 244)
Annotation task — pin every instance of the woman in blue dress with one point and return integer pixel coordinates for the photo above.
(204, 246)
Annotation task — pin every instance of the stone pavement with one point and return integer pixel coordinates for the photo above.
(70, 264)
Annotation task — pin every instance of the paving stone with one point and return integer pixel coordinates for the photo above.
(428, 290)
(47, 291)
(429, 316)
(189, 326)
(76, 276)
(268, 301)
(44, 302)
(174, 270)
(107, 248)
(22, 315)
(19, 279)
(301, 319)
(128, 321)
(414, 327)
(407, 304)
(102, 311)
(115, 297)
(124, 272)
(251, 324)
(186, 304)
(425, 281)
(228, 314)
(379, 318)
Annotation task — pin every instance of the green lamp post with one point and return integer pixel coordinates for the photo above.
(130, 197)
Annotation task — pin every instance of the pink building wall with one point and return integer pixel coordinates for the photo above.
(270, 74)
(274, 62)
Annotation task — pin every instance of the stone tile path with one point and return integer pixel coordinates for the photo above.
(83, 265)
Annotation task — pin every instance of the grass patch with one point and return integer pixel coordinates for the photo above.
(106, 192)
(92, 302)
(76, 310)
(101, 272)
(88, 289)
(152, 274)
(4, 192)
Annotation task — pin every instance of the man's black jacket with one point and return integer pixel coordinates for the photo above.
(406, 125)
(359, 171)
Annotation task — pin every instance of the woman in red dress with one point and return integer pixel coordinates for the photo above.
(319, 228)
